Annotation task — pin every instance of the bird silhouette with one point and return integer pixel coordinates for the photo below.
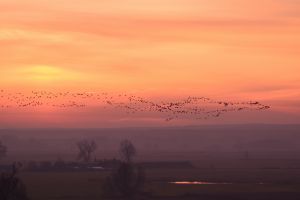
(189, 107)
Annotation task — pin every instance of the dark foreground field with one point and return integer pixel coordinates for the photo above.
(259, 162)
(249, 184)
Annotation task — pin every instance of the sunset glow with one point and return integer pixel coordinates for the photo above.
(44, 73)
(226, 50)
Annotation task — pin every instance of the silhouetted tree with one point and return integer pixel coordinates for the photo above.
(86, 149)
(11, 187)
(127, 150)
(128, 179)
(3, 150)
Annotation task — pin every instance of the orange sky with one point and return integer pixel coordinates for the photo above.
(224, 49)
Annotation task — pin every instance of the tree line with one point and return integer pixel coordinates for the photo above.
(126, 180)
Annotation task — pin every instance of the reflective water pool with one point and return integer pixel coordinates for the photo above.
(196, 183)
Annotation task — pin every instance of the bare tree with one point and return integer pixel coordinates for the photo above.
(86, 149)
(128, 179)
(127, 150)
(11, 187)
(3, 150)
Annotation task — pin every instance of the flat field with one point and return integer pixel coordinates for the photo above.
(263, 183)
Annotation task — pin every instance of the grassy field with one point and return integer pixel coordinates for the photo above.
(244, 184)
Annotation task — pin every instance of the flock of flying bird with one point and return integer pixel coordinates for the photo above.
(190, 107)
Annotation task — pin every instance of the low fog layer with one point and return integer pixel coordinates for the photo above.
(278, 141)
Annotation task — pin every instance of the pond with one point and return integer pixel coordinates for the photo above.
(197, 183)
(205, 183)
